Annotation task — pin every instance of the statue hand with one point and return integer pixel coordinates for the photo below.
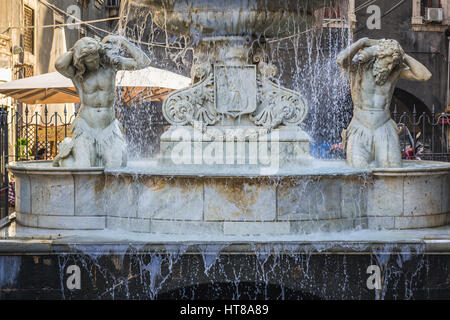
(372, 42)
(365, 54)
(366, 42)
(113, 39)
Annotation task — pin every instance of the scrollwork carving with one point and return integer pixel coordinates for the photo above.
(278, 105)
(275, 105)
(195, 103)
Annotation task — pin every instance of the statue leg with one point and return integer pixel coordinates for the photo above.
(112, 146)
(83, 152)
(387, 146)
(359, 146)
(115, 156)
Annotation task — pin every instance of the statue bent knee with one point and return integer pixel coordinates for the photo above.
(375, 66)
(91, 147)
(97, 136)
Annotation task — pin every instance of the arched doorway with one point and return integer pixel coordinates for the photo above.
(404, 101)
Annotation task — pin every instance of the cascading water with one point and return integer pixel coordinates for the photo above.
(230, 232)
(306, 62)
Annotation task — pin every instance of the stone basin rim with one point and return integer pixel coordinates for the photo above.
(58, 246)
(39, 167)
(25, 168)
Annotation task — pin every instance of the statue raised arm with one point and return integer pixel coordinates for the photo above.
(375, 66)
(97, 136)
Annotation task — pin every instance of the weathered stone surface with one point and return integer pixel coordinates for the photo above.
(415, 222)
(234, 205)
(235, 145)
(186, 227)
(361, 223)
(163, 198)
(71, 222)
(26, 219)
(52, 194)
(354, 197)
(422, 195)
(332, 225)
(129, 224)
(380, 223)
(306, 199)
(121, 196)
(89, 191)
(232, 17)
(446, 193)
(251, 228)
(238, 199)
(296, 152)
(385, 197)
(23, 193)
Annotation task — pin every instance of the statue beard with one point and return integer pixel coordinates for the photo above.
(381, 72)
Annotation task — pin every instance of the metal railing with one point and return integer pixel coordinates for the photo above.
(4, 203)
(424, 136)
(38, 135)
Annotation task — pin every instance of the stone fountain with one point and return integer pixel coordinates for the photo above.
(235, 159)
(235, 163)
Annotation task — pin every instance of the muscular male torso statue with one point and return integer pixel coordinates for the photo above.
(97, 136)
(375, 67)
(97, 98)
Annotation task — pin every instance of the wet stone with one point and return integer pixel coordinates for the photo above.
(239, 199)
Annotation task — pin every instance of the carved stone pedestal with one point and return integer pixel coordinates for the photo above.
(235, 145)
(234, 112)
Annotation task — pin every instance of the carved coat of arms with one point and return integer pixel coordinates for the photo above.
(235, 89)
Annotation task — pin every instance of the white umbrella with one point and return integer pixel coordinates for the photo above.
(55, 88)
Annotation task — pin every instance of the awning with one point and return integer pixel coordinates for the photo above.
(149, 83)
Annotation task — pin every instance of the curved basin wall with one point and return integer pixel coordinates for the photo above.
(83, 199)
(59, 198)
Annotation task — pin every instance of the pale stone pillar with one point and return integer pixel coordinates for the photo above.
(416, 14)
(446, 8)
(351, 13)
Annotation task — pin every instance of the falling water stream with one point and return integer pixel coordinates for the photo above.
(250, 268)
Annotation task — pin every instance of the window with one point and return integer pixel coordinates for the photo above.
(28, 70)
(28, 36)
(115, 4)
(332, 13)
(429, 4)
(112, 8)
(23, 70)
(430, 15)
(338, 16)
(98, 4)
(82, 32)
(84, 3)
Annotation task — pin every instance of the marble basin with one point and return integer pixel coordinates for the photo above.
(326, 196)
(233, 17)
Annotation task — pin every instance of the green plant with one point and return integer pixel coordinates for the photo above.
(21, 145)
(22, 142)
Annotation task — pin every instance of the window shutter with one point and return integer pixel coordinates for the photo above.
(28, 37)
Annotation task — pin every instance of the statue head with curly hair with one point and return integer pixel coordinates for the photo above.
(383, 58)
(88, 53)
